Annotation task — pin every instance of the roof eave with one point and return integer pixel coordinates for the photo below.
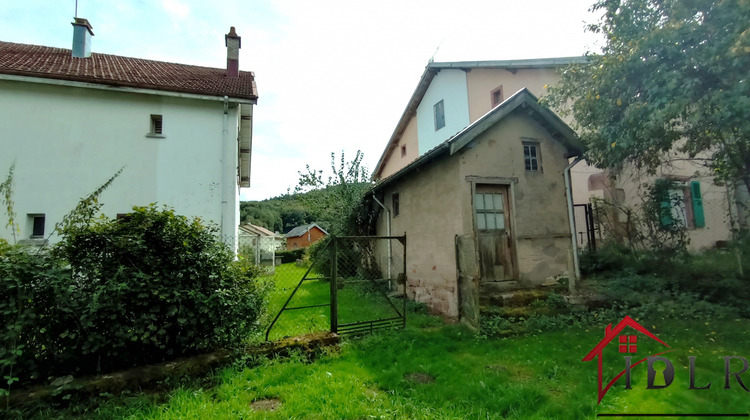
(121, 87)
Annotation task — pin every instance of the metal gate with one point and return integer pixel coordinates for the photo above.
(366, 278)
(586, 228)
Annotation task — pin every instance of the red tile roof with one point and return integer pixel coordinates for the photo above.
(113, 70)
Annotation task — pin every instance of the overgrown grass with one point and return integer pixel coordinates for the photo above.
(447, 373)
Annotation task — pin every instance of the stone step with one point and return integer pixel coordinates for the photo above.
(516, 298)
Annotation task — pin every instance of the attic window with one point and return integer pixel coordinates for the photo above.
(439, 110)
(403, 151)
(157, 126)
(497, 96)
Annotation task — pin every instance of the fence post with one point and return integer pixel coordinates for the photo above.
(334, 288)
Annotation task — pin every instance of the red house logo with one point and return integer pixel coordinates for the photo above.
(627, 343)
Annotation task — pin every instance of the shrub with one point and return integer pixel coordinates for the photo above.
(291, 255)
(117, 293)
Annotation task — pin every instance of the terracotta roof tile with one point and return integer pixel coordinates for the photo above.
(114, 70)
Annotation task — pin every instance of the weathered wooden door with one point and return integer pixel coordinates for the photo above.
(492, 213)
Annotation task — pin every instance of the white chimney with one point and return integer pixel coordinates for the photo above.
(233, 43)
(82, 33)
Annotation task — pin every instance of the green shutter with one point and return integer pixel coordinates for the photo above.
(698, 216)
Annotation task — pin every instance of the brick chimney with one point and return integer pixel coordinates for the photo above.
(82, 33)
(233, 43)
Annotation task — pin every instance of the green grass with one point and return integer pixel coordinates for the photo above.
(535, 376)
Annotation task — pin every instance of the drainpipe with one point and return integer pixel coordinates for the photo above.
(571, 220)
(388, 232)
(224, 188)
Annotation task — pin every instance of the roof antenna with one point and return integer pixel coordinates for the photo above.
(432, 59)
(76, 15)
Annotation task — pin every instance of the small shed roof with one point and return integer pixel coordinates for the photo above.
(301, 230)
(257, 230)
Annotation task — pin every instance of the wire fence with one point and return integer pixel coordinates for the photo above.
(360, 290)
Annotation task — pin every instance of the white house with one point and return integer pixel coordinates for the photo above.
(71, 118)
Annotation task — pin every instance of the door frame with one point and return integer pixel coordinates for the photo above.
(510, 184)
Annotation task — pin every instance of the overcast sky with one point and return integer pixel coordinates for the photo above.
(332, 75)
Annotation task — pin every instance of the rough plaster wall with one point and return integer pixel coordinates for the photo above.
(540, 218)
(430, 216)
(394, 162)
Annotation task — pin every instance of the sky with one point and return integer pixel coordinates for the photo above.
(332, 76)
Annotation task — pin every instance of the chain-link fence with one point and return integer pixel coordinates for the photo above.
(360, 290)
(369, 273)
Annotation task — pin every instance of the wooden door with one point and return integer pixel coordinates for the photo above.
(492, 218)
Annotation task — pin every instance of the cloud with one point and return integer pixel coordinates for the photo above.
(176, 9)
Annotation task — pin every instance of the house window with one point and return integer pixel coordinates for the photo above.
(36, 221)
(403, 151)
(439, 109)
(531, 157)
(680, 204)
(497, 96)
(394, 202)
(490, 211)
(157, 126)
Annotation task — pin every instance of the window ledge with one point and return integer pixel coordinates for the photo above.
(156, 136)
(33, 241)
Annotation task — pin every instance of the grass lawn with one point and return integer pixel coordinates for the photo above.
(432, 370)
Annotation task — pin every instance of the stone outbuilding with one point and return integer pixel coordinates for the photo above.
(485, 211)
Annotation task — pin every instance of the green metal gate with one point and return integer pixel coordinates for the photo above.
(366, 278)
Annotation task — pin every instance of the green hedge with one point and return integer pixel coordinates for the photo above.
(119, 293)
(291, 255)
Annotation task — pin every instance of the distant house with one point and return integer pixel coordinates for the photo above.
(72, 118)
(485, 211)
(259, 243)
(303, 236)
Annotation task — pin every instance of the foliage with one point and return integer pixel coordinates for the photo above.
(116, 293)
(673, 76)
(334, 201)
(346, 186)
(291, 255)
(6, 195)
(648, 226)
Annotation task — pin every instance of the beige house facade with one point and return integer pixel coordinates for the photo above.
(485, 209)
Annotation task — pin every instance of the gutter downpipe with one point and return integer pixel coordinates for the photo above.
(224, 188)
(571, 220)
(388, 232)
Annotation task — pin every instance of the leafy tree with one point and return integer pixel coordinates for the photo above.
(674, 75)
(334, 200)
